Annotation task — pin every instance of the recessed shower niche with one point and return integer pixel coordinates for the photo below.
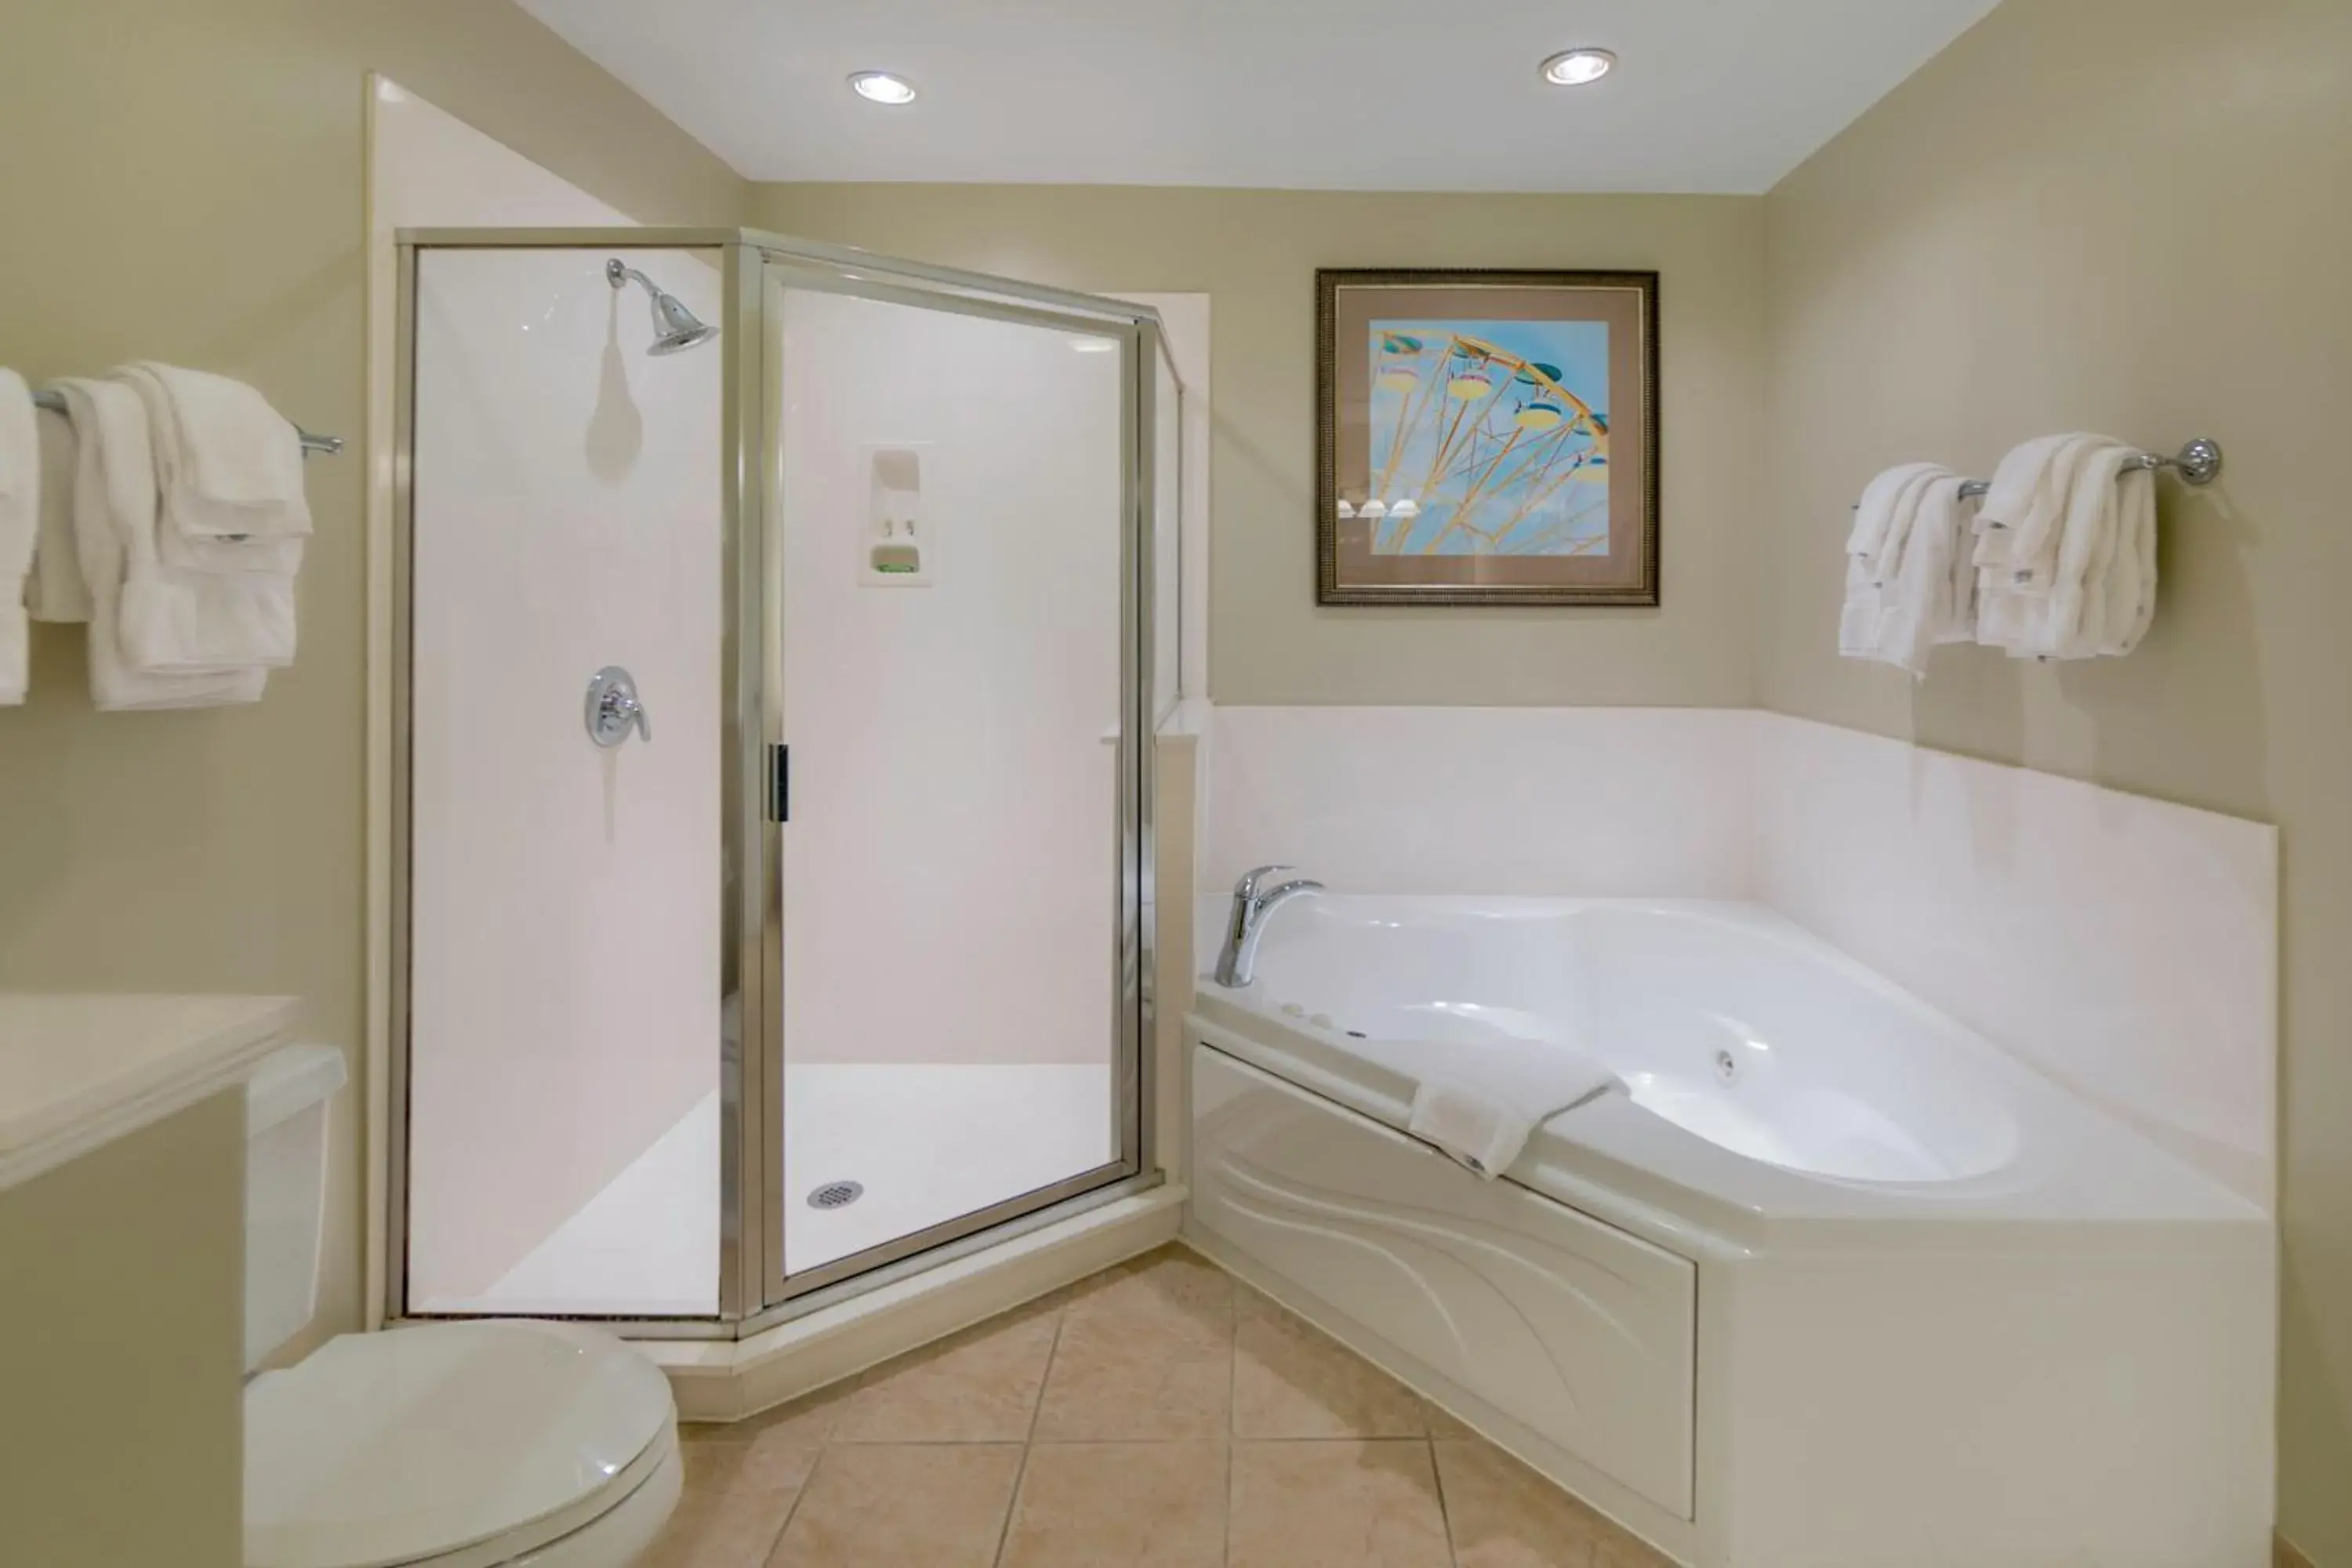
(902, 537)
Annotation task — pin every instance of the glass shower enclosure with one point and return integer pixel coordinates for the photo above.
(779, 632)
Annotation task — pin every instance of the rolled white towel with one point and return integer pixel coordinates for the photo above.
(1479, 1102)
(114, 498)
(20, 513)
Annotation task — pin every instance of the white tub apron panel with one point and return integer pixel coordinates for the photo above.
(1582, 1332)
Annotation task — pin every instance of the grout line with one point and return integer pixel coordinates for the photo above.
(1226, 1557)
(1233, 1399)
(808, 1483)
(1029, 1438)
(1444, 1513)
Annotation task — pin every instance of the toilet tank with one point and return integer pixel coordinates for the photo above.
(284, 1192)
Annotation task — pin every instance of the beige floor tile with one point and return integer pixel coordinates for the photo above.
(783, 1442)
(1169, 1284)
(741, 1481)
(1336, 1505)
(1145, 1353)
(733, 1505)
(1504, 1515)
(1290, 1380)
(1120, 1505)
(978, 1387)
(883, 1506)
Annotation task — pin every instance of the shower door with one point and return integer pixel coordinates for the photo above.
(955, 780)
(831, 961)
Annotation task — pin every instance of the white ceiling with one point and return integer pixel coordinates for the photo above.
(1709, 95)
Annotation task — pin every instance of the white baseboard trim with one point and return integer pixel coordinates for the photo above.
(728, 1380)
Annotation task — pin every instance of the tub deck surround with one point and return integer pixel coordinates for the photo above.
(77, 1071)
(2126, 947)
(1834, 1045)
(1836, 1284)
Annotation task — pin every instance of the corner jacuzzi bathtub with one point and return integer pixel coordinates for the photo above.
(1834, 1284)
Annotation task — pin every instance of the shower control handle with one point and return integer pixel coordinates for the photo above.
(613, 708)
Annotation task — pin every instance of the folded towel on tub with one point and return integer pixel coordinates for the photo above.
(1481, 1101)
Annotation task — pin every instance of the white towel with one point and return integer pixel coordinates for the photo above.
(2073, 622)
(1932, 589)
(114, 498)
(1881, 523)
(190, 414)
(1909, 582)
(1876, 530)
(228, 461)
(2073, 575)
(20, 525)
(1480, 1102)
(2131, 585)
(57, 592)
(172, 619)
(2020, 520)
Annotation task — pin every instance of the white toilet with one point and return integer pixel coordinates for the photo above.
(458, 1445)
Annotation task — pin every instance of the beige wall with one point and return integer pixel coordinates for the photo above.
(185, 182)
(2132, 216)
(1254, 254)
(124, 1354)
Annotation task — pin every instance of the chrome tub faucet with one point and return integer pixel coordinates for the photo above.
(1253, 903)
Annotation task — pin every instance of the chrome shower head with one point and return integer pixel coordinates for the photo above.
(674, 326)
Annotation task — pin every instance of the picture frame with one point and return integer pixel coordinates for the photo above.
(1487, 437)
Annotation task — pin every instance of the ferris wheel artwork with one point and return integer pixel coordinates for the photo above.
(1487, 438)
(1481, 444)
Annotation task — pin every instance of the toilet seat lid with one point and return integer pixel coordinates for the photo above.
(403, 1446)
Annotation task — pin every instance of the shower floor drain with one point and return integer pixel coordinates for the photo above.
(836, 1194)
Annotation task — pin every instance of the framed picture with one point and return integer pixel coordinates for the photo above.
(1487, 437)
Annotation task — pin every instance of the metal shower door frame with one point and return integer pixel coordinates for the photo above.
(753, 1290)
(794, 264)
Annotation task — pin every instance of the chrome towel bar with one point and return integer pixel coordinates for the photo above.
(312, 446)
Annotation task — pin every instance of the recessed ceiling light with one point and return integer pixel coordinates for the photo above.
(881, 87)
(1093, 346)
(1577, 67)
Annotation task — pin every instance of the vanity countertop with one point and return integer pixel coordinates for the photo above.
(78, 1071)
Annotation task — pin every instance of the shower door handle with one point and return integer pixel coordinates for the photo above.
(613, 708)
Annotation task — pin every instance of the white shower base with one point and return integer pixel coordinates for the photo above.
(930, 1144)
(646, 1246)
(928, 1141)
